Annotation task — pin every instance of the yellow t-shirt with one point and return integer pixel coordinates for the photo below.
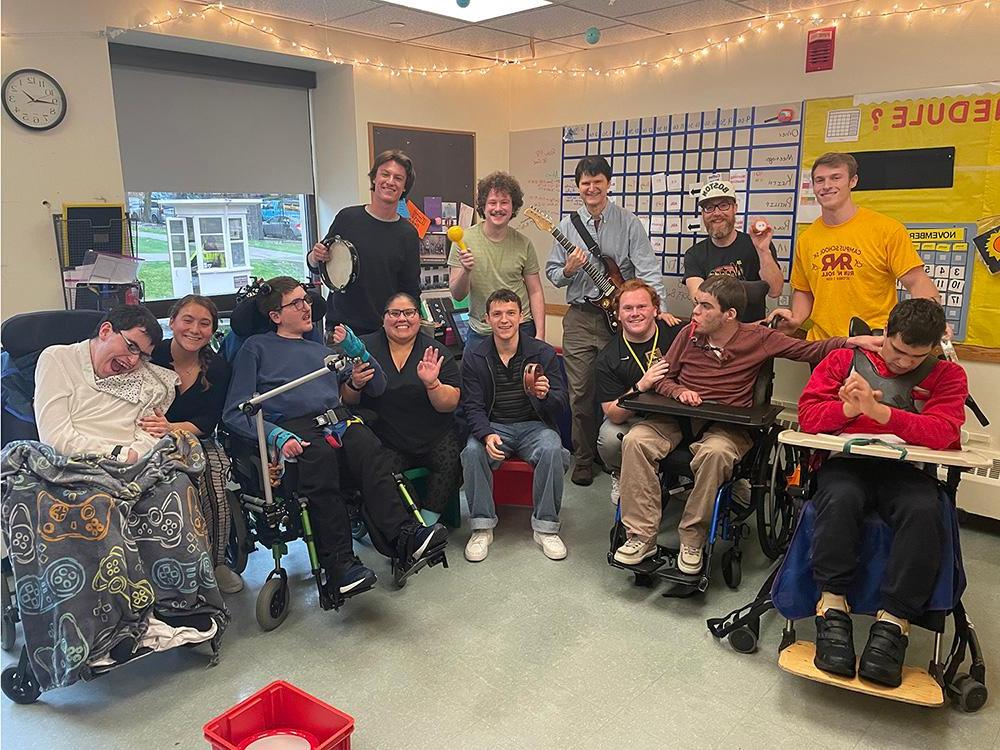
(851, 269)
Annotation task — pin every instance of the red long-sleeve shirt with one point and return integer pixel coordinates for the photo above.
(937, 426)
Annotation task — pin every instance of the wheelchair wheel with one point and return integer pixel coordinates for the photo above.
(968, 693)
(743, 640)
(23, 689)
(236, 549)
(272, 603)
(8, 623)
(732, 567)
(775, 511)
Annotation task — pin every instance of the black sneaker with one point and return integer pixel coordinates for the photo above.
(835, 643)
(417, 539)
(882, 659)
(355, 578)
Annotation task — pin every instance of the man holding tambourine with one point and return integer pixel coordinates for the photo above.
(369, 252)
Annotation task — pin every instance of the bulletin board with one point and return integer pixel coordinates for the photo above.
(659, 164)
(955, 225)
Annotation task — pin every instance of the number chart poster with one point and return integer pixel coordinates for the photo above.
(955, 228)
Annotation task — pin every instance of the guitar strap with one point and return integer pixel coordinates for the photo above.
(581, 229)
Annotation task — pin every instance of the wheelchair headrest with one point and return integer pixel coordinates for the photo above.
(34, 331)
(756, 292)
(246, 320)
(858, 327)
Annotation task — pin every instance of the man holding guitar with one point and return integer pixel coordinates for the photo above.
(618, 246)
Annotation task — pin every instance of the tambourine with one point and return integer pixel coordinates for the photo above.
(342, 267)
(532, 372)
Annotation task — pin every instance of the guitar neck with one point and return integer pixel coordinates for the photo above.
(594, 271)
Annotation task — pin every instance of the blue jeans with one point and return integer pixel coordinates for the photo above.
(533, 442)
(473, 339)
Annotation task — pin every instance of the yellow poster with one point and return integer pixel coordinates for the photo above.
(966, 119)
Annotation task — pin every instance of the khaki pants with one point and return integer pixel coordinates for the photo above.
(584, 335)
(714, 456)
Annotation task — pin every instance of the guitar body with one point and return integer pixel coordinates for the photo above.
(606, 302)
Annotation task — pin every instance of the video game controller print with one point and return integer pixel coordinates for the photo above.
(112, 576)
(195, 514)
(88, 520)
(162, 525)
(21, 535)
(187, 577)
(59, 582)
(69, 652)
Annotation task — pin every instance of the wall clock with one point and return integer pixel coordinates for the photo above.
(34, 99)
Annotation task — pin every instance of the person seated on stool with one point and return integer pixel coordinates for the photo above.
(714, 358)
(633, 360)
(902, 390)
(506, 420)
(416, 421)
(268, 360)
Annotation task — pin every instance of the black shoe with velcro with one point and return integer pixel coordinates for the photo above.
(882, 659)
(835, 643)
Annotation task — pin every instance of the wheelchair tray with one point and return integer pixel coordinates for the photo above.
(918, 687)
(962, 458)
(654, 403)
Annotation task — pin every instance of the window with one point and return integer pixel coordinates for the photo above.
(212, 243)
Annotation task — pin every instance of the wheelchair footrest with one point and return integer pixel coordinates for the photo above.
(918, 687)
(336, 600)
(433, 556)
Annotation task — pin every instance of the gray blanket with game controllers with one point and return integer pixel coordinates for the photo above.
(101, 549)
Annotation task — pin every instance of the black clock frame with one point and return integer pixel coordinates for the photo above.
(15, 118)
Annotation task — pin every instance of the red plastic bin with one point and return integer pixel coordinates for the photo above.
(512, 483)
(280, 705)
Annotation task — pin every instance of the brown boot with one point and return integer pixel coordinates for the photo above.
(583, 475)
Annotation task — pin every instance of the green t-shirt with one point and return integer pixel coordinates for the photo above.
(499, 265)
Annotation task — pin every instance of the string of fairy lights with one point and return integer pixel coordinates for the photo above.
(240, 19)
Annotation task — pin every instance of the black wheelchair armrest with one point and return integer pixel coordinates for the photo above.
(653, 403)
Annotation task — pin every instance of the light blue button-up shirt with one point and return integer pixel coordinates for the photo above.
(622, 238)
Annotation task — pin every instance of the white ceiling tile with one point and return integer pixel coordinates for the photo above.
(621, 7)
(549, 22)
(694, 15)
(377, 22)
(309, 11)
(782, 6)
(473, 39)
(614, 35)
(542, 49)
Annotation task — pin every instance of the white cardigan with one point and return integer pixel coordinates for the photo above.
(75, 415)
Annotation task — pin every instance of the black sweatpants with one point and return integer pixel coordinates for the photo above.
(443, 459)
(907, 500)
(319, 481)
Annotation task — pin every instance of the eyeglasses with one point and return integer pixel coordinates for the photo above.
(134, 349)
(721, 206)
(410, 312)
(299, 305)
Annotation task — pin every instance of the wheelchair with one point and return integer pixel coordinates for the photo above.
(284, 517)
(730, 521)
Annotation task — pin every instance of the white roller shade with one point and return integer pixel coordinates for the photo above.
(188, 133)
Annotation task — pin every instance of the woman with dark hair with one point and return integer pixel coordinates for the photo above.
(416, 412)
(197, 407)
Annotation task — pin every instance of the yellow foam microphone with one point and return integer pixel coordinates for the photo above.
(455, 234)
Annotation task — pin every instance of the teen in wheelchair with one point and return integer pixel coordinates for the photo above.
(309, 426)
(704, 413)
(880, 534)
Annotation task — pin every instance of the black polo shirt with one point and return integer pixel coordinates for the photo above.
(407, 421)
(618, 372)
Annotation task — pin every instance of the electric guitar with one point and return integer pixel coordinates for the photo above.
(604, 272)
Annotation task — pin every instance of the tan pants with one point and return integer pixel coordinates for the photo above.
(714, 457)
(584, 335)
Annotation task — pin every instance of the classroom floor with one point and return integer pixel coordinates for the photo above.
(519, 652)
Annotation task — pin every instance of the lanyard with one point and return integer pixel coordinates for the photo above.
(631, 351)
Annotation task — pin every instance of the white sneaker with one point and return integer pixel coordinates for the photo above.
(479, 545)
(616, 490)
(634, 551)
(689, 560)
(551, 545)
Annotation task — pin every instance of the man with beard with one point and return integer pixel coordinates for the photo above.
(848, 261)
(728, 252)
(388, 248)
(498, 257)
